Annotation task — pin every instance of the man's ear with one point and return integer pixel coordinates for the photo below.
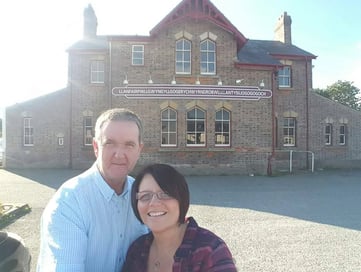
(95, 147)
(141, 145)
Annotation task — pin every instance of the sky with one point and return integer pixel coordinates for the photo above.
(36, 34)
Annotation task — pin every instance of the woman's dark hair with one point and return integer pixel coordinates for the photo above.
(170, 181)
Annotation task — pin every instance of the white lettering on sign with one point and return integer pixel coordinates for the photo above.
(192, 92)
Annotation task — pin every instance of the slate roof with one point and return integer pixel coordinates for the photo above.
(100, 43)
(263, 52)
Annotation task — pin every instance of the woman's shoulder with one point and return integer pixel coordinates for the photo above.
(202, 236)
(142, 242)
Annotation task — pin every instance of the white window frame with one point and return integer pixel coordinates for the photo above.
(138, 54)
(289, 131)
(285, 77)
(196, 127)
(342, 134)
(88, 130)
(206, 56)
(169, 127)
(328, 134)
(222, 128)
(183, 57)
(28, 137)
(97, 73)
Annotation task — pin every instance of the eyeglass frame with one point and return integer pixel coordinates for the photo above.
(160, 196)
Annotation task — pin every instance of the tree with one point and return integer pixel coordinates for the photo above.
(343, 92)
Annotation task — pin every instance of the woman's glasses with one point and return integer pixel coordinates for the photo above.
(148, 196)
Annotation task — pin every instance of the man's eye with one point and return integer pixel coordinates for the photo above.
(130, 145)
(108, 144)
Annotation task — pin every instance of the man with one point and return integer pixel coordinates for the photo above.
(89, 224)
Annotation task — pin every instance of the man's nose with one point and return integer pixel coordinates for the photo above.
(119, 151)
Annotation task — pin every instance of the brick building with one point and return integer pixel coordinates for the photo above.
(212, 101)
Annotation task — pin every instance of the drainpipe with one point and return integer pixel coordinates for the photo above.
(70, 86)
(273, 147)
(307, 114)
(110, 98)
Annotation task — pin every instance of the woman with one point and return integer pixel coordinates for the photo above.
(160, 200)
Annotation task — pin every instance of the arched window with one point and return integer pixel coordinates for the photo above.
(208, 57)
(183, 57)
(222, 128)
(169, 127)
(196, 134)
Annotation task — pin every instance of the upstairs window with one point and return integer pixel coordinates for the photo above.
(169, 127)
(208, 57)
(328, 134)
(28, 137)
(138, 55)
(183, 57)
(97, 71)
(289, 131)
(196, 135)
(342, 135)
(284, 77)
(88, 130)
(222, 128)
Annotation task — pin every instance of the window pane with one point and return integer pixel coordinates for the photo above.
(179, 56)
(219, 115)
(342, 129)
(191, 114)
(218, 127)
(191, 126)
(172, 126)
(200, 114)
(179, 45)
(187, 56)
(211, 68)
(203, 46)
(200, 126)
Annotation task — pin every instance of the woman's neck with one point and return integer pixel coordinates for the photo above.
(164, 247)
(166, 240)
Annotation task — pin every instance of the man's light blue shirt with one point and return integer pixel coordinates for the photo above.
(87, 227)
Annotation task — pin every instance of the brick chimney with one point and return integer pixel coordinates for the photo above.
(90, 23)
(282, 31)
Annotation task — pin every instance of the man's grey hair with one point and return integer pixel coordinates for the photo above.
(118, 114)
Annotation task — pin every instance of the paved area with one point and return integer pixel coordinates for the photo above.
(304, 222)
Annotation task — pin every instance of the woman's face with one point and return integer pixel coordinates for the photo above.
(158, 214)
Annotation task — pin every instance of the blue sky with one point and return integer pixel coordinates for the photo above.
(36, 34)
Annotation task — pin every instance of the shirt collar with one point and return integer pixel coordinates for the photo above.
(106, 190)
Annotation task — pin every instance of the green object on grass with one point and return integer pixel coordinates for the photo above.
(10, 212)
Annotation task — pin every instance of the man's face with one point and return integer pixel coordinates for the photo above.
(117, 151)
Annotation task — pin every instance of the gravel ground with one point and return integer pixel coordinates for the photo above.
(303, 222)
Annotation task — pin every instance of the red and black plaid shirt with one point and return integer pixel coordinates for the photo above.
(200, 251)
